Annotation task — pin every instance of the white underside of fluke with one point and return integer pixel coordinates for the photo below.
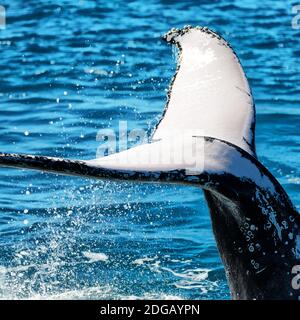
(176, 153)
(209, 96)
(210, 91)
(213, 157)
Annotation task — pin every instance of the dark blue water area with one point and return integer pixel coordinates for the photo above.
(71, 68)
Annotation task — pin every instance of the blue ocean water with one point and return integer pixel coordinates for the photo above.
(70, 68)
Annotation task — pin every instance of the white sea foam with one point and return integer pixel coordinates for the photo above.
(95, 256)
(188, 279)
(141, 261)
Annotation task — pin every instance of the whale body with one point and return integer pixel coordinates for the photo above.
(206, 138)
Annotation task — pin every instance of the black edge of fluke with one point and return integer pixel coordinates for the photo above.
(176, 32)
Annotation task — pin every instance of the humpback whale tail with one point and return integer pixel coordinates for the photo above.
(209, 96)
(211, 107)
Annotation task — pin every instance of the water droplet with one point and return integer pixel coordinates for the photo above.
(251, 248)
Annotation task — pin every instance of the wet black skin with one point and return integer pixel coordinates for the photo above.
(273, 278)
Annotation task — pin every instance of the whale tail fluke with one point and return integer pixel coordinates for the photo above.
(209, 96)
(211, 107)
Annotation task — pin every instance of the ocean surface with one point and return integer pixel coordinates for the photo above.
(71, 68)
